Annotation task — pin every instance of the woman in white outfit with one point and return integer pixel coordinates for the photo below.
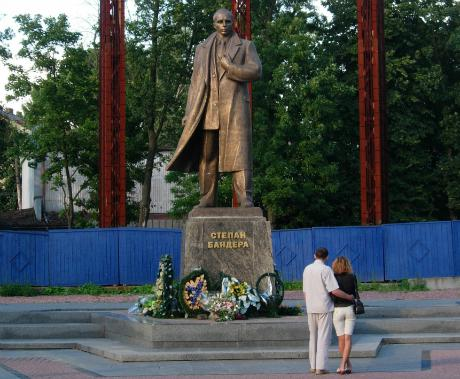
(344, 317)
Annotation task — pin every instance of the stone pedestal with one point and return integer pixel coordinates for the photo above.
(235, 241)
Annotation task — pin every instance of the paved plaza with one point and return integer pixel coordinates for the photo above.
(394, 361)
(419, 360)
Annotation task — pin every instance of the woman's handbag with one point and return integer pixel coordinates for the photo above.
(358, 306)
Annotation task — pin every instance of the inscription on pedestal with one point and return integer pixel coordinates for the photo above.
(235, 240)
(232, 241)
(216, 237)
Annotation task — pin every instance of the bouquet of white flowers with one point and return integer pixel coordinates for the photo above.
(222, 308)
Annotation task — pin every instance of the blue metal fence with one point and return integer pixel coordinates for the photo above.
(24, 258)
(140, 251)
(83, 256)
(360, 244)
(456, 246)
(418, 250)
(131, 255)
(292, 251)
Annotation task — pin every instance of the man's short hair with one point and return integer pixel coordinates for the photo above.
(321, 253)
(222, 10)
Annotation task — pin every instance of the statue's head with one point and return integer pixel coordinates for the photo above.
(223, 22)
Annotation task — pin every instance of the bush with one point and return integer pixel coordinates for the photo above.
(17, 290)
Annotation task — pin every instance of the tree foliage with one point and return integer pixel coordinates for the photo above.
(306, 145)
(5, 35)
(305, 108)
(62, 111)
(304, 151)
(13, 140)
(422, 103)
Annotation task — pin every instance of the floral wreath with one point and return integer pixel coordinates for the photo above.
(193, 292)
(160, 303)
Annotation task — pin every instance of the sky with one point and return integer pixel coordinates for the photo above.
(82, 15)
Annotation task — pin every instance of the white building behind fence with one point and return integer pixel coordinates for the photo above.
(44, 198)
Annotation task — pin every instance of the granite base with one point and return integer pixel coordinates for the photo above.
(233, 241)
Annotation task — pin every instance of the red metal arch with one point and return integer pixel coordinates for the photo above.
(372, 109)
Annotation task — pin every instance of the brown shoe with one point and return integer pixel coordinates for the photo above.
(321, 372)
(312, 371)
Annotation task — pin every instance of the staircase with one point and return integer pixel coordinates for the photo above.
(121, 337)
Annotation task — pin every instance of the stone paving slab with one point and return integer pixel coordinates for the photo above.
(423, 360)
(395, 362)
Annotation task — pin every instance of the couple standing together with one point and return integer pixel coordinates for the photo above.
(329, 296)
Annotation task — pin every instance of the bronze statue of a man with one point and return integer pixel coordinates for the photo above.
(217, 135)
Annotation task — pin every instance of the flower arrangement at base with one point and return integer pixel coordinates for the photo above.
(160, 303)
(164, 287)
(222, 308)
(270, 288)
(150, 305)
(193, 293)
(241, 293)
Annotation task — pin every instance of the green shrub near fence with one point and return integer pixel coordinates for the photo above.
(93, 289)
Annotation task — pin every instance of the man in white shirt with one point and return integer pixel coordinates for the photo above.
(318, 284)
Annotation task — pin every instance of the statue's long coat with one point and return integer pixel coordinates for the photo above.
(235, 134)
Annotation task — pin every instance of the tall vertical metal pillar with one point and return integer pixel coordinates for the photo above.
(372, 112)
(112, 117)
(241, 10)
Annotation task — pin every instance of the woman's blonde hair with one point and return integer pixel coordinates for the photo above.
(342, 265)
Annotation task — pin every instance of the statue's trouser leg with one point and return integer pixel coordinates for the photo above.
(242, 185)
(207, 173)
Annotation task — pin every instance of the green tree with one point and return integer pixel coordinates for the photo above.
(8, 198)
(12, 144)
(62, 112)
(306, 143)
(422, 79)
(303, 148)
(449, 166)
(5, 35)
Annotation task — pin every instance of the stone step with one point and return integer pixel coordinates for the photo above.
(389, 311)
(41, 343)
(402, 309)
(259, 332)
(151, 333)
(85, 316)
(408, 312)
(50, 330)
(364, 346)
(173, 333)
(408, 325)
(45, 317)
